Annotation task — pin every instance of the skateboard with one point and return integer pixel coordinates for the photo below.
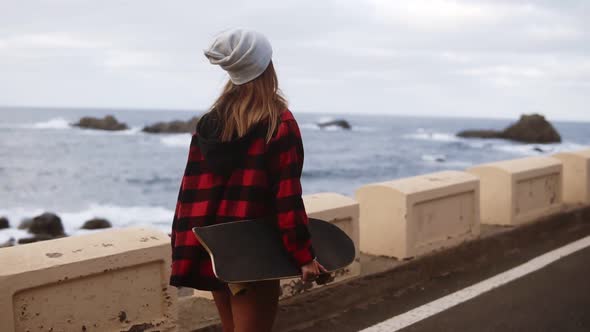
(252, 250)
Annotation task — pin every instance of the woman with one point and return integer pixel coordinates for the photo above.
(245, 162)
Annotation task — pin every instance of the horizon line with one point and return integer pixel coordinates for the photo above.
(131, 109)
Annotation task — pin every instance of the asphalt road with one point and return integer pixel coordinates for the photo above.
(534, 277)
(554, 298)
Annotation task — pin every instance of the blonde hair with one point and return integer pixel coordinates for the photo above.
(241, 106)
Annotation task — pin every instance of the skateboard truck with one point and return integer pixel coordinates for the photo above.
(324, 278)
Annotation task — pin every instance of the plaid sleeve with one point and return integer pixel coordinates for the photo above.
(173, 232)
(178, 200)
(175, 217)
(291, 216)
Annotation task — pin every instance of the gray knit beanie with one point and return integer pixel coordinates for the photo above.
(243, 53)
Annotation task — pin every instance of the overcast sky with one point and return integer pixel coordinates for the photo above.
(439, 57)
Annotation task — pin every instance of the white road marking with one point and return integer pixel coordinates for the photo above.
(430, 309)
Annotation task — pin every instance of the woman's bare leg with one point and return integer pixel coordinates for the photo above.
(223, 303)
(255, 309)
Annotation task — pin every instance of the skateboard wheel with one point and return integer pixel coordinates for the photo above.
(324, 278)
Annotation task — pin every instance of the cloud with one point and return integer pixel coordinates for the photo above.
(437, 14)
(126, 58)
(498, 57)
(553, 33)
(513, 71)
(50, 41)
(64, 45)
(505, 76)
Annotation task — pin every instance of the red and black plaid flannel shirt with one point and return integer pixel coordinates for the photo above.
(268, 183)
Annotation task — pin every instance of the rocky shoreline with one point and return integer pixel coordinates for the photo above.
(47, 226)
(531, 128)
(173, 127)
(110, 123)
(341, 123)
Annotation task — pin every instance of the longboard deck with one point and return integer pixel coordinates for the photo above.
(252, 250)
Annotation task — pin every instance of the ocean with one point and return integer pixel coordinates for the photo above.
(132, 178)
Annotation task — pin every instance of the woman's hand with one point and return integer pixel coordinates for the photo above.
(312, 270)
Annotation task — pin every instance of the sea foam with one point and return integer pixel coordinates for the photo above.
(119, 216)
(55, 123)
(177, 140)
(315, 126)
(525, 149)
(422, 134)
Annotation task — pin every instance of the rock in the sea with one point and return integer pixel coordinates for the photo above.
(38, 237)
(339, 123)
(47, 223)
(438, 157)
(109, 122)
(174, 127)
(531, 128)
(4, 223)
(96, 223)
(26, 223)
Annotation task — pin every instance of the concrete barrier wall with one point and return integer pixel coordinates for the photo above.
(412, 216)
(576, 176)
(340, 210)
(113, 280)
(519, 190)
(117, 279)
